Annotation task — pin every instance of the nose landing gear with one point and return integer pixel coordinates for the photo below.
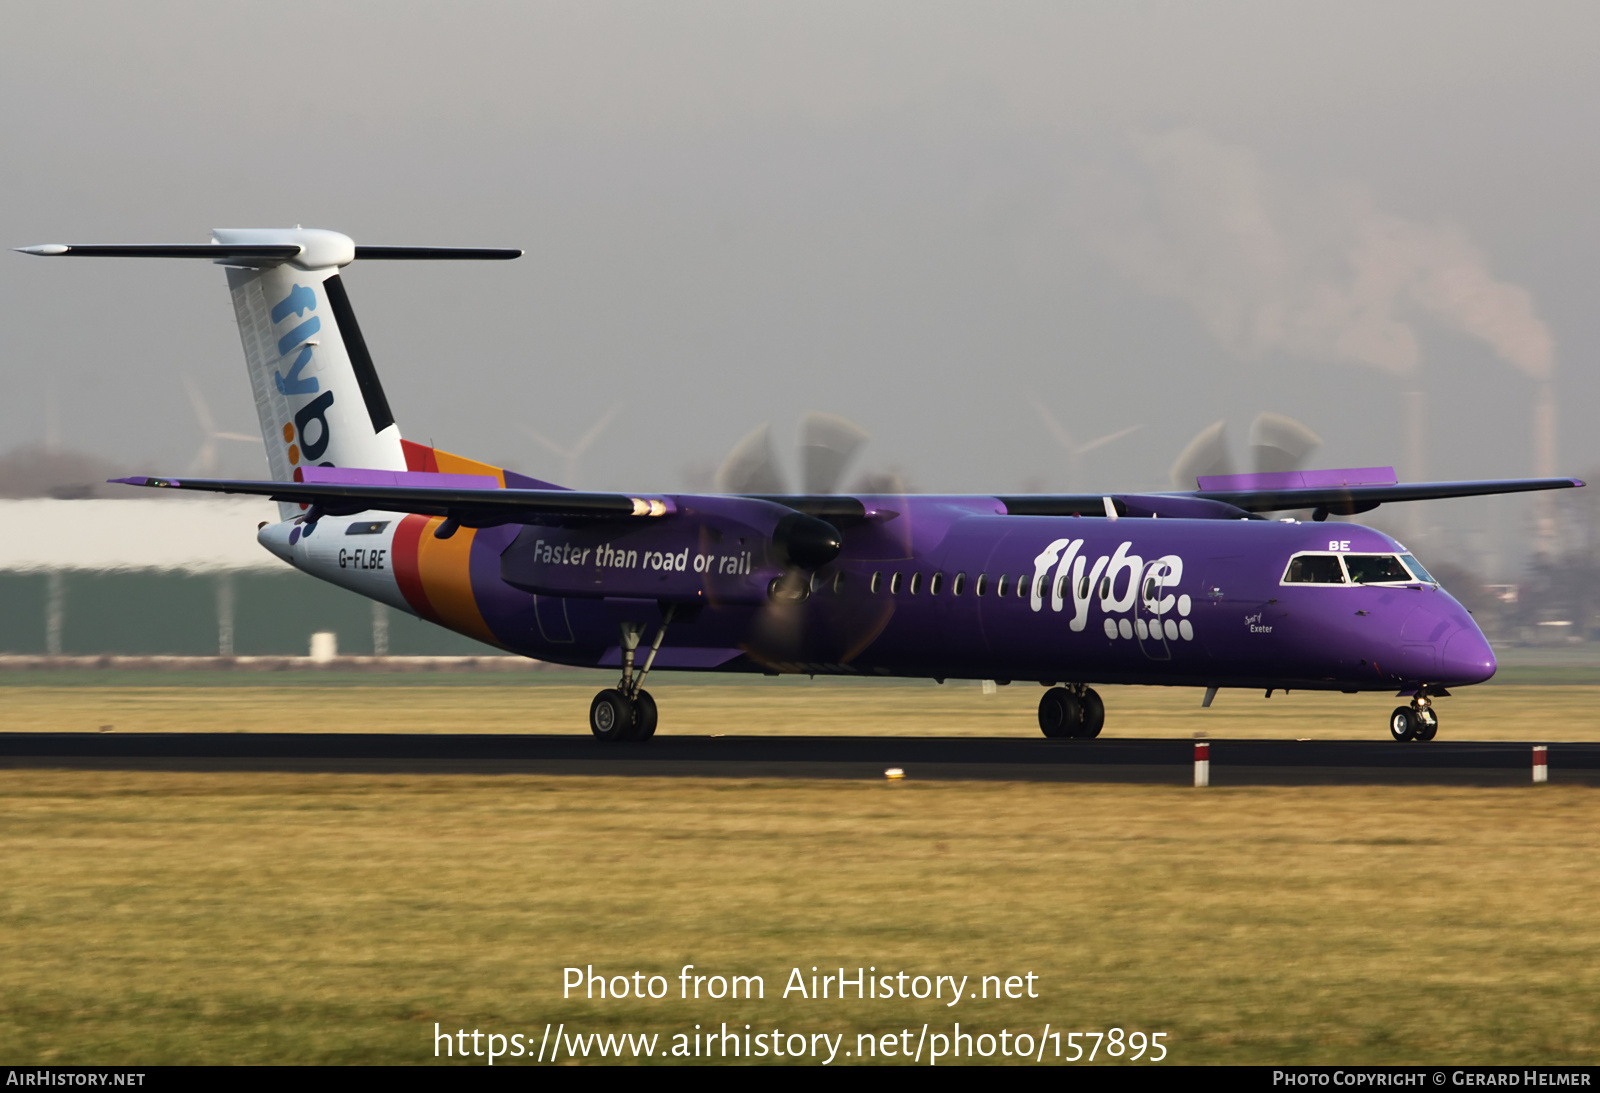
(1417, 721)
(627, 711)
(1074, 711)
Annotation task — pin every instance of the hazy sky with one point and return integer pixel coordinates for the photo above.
(923, 216)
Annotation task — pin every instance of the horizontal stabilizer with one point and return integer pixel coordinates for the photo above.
(212, 251)
(434, 254)
(263, 253)
(469, 505)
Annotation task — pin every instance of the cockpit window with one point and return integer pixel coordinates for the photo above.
(1314, 569)
(1377, 569)
(1417, 570)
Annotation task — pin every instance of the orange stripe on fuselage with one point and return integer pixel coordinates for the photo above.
(444, 566)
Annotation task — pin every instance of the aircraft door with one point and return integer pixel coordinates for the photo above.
(1151, 611)
(551, 614)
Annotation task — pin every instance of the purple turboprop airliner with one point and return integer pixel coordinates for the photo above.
(1192, 589)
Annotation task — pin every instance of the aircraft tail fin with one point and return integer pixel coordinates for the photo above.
(316, 389)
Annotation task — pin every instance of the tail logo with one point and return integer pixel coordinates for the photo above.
(312, 417)
(300, 300)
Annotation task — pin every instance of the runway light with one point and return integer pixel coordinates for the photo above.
(894, 774)
(1541, 763)
(1202, 762)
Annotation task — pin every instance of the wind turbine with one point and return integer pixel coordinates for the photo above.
(204, 463)
(1075, 451)
(569, 456)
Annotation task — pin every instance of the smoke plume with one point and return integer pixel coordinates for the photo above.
(1319, 274)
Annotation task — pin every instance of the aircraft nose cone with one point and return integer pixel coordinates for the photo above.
(1467, 657)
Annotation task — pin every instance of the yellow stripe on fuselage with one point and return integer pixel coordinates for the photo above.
(444, 567)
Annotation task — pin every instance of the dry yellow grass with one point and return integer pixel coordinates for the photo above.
(167, 917)
(1550, 713)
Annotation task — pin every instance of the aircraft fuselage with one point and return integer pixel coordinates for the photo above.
(926, 586)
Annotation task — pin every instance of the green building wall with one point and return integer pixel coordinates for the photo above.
(152, 613)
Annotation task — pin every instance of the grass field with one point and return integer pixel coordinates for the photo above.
(188, 917)
(151, 918)
(559, 703)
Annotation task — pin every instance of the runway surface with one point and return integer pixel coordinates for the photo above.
(1156, 761)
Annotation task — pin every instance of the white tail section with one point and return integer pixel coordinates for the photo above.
(315, 387)
(316, 390)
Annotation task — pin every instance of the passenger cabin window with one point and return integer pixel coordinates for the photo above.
(935, 583)
(1377, 569)
(894, 585)
(916, 583)
(1022, 585)
(838, 582)
(982, 586)
(1005, 583)
(877, 582)
(959, 585)
(1314, 569)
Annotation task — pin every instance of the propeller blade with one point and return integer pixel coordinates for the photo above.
(827, 445)
(1207, 453)
(1279, 443)
(752, 466)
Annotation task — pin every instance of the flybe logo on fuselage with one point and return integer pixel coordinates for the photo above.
(1121, 583)
(307, 436)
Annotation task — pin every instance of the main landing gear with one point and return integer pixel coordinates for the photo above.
(1417, 721)
(1074, 711)
(626, 711)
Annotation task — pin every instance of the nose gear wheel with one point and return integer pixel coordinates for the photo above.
(1416, 722)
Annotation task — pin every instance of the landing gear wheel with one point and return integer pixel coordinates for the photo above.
(611, 716)
(1060, 713)
(1404, 724)
(644, 726)
(1094, 714)
(1427, 724)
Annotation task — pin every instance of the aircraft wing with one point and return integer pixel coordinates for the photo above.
(466, 503)
(1346, 500)
(1238, 496)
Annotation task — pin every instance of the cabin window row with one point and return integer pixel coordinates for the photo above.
(898, 583)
